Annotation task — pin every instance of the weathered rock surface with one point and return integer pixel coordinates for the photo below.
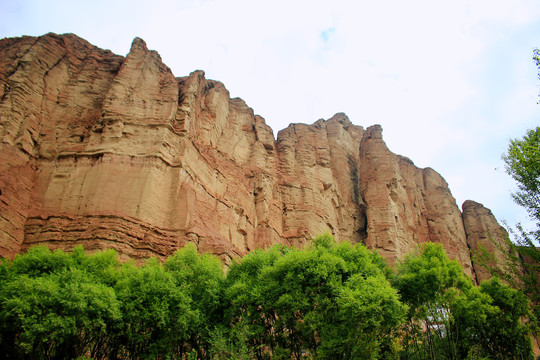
(483, 231)
(112, 152)
(406, 205)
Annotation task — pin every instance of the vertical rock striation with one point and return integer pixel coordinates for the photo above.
(112, 152)
(318, 180)
(52, 88)
(407, 205)
(483, 232)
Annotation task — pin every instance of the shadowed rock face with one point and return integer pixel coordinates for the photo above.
(112, 152)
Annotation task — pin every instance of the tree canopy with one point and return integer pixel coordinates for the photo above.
(327, 301)
(523, 165)
(449, 318)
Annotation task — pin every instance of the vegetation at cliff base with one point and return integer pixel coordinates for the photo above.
(327, 301)
(521, 263)
(523, 165)
(449, 318)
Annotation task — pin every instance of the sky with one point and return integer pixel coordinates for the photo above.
(451, 82)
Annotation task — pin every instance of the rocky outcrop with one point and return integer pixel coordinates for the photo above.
(407, 205)
(52, 89)
(318, 180)
(113, 152)
(484, 234)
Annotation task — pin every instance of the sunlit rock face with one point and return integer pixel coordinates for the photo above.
(116, 152)
(406, 205)
(484, 234)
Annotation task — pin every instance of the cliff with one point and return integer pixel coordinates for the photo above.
(112, 152)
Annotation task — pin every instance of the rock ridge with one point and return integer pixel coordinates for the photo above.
(109, 151)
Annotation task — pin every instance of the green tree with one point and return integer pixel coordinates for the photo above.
(52, 306)
(505, 335)
(57, 305)
(156, 313)
(451, 319)
(523, 164)
(231, 343)
(536, 58)
(428, 281)
(328, 301)
(489, 320)
(522, 161)
(201, 276)
(245, 299)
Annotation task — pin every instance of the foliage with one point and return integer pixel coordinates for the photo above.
(54, 307)
(231, 343)
(429, 282)
(326, 301)
(489, 321)
(201, 276)
(521, 264)
(426, 273)
(504, 331)
(536, 58)
(451, 319)
(152, 306)
(522, 164)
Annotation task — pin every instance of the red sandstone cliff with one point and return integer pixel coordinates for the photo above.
(483, 231)
(112, 152)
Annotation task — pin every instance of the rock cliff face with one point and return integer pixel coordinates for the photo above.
(112, 152)
(483, 230)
